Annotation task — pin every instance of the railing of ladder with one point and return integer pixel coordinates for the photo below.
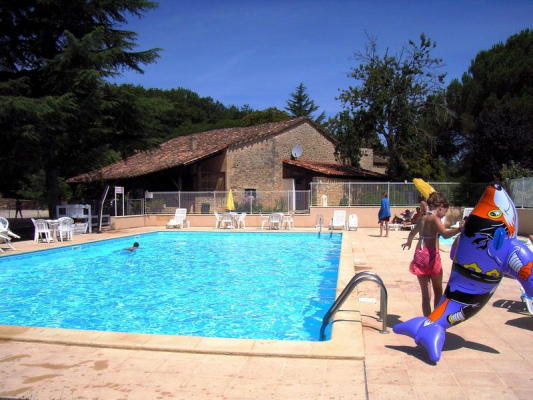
(363, 276)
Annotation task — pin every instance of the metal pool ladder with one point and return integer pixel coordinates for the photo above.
(362, 276)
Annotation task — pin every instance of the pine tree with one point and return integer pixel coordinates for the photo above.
(300, 105)
(57, 112)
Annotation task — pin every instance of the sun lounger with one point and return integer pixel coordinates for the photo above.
(179, 219)
(353, 222)
(5, 239)
(4, 228)
(338, 220)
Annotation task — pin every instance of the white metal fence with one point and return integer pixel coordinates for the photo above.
(399, 193)
(321, 194)
(251, 202)
(521, 191)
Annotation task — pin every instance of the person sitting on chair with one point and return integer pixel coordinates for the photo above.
(402, 217)
(414, 219)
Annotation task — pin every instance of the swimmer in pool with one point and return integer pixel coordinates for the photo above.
(133, 248)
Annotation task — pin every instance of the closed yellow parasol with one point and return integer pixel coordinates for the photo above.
(230, 206)
(425, 188)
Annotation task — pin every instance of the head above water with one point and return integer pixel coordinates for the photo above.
(136, 244)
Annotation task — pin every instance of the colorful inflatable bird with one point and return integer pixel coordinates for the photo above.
(487, 250)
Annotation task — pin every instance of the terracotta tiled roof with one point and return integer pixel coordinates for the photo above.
(331, 169)
(184, 150)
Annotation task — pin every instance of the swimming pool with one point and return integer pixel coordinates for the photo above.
(245, 285)
(447, 242)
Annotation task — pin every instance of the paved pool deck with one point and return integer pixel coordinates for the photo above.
(487, 357)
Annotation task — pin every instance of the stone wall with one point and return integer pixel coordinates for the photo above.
(329, 194)
(258, 164)
(367, 159)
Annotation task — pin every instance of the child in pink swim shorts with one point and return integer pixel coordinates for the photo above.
(426, 264)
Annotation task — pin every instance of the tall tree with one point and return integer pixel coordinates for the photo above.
(300, 105)
(57, 112)
(494, 106)
(392, 94)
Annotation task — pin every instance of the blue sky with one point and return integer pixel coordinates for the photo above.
(257, 52)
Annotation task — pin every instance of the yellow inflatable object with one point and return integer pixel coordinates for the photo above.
(425, 188)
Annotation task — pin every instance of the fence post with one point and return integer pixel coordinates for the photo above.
(523, 190)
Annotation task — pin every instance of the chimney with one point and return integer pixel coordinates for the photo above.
(193, 143)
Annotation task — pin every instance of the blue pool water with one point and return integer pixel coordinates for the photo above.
(447, 242)
(238, 285)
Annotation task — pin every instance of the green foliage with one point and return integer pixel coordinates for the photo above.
(513, 171)
(58, 112)
(271, 114)
(389, 103)
(494, 108)
(33, 188)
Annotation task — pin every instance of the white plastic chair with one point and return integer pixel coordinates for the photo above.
(240, 221)
(275, 221)
(179, 218)
(218, 220)
(265, 220)
(42, 231)
(4, 238)
(227, 221)
(288, 221)
(4, 228)
(65, 228)
(353, 222)
(338, 220)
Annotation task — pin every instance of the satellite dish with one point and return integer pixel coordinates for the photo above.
(296, 151)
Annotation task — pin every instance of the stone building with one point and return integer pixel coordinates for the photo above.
(285, 155)
(371, 162)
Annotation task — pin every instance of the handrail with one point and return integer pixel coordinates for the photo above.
(101, 211)
(362, 276)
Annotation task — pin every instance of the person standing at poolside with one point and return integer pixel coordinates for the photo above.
(18, 208)
(426, 264)
(384, 214)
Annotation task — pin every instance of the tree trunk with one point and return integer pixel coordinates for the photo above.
(52, 190)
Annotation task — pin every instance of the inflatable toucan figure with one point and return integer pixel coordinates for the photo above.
(486, 250)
